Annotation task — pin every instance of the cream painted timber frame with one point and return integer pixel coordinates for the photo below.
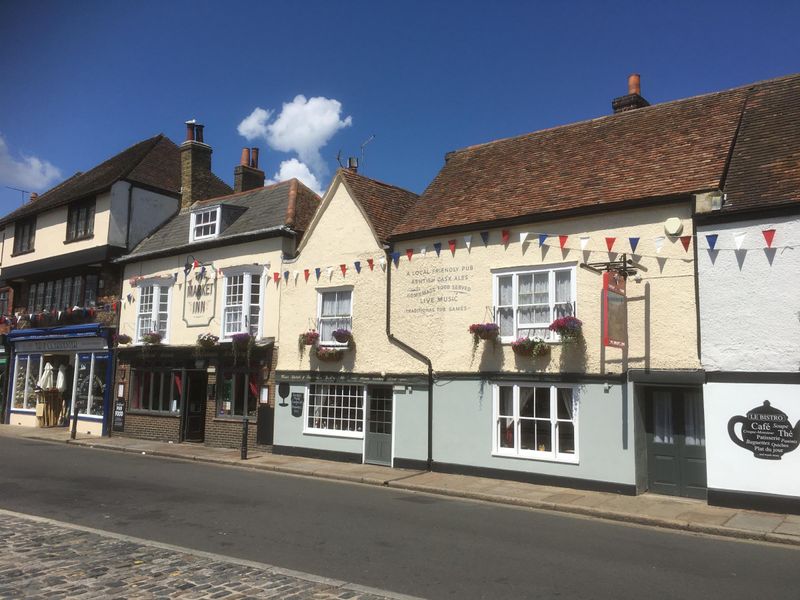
(157, 282)
(336, 288)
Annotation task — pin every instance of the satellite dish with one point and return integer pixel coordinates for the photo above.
(673, 226)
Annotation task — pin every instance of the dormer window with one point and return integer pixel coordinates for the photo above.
(205, 224)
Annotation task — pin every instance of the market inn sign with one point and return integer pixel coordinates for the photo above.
(766, 432)
(199, 296)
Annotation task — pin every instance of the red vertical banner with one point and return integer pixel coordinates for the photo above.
(615, 316)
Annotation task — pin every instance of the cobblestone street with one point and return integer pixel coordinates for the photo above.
(40, 559)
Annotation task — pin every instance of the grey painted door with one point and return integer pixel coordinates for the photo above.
(676, 445)
(378, 442)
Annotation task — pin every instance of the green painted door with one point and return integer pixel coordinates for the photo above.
(378, 442)
(676, 444)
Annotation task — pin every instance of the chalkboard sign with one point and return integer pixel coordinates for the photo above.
(297, 404)
(119, 415)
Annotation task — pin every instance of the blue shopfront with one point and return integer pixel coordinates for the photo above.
(55, 371)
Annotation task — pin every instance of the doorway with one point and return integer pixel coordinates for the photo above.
(676, 442)
(378, 437)
(196, 392)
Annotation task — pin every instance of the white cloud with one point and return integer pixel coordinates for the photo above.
(27, 172)
(303, 126)
(294, 168)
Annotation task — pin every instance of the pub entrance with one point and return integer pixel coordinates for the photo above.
(676, 442)
(195, 406)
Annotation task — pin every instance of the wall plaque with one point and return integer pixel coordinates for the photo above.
(199, 296)
(766, 432)
(297, 404)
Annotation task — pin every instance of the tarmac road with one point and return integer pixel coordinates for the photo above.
(409, 543)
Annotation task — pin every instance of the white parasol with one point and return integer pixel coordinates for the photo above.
(61, 380)
(47, 380)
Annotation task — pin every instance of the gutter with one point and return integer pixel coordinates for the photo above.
(415, 353)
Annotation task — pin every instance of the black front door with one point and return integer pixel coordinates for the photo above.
(196, 390)
(676, 442)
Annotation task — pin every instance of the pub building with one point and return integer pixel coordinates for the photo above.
(60, 288)
(199, 310)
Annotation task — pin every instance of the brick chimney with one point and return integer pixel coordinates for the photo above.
(633, 99)
(247, 175)
(196, 173)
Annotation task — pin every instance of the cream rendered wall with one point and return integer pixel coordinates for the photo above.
(341, 235)
(261, 252)
(435, 299)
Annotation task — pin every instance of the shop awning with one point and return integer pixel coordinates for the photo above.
(49, 333)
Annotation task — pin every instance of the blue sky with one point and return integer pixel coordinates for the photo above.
(80, 81)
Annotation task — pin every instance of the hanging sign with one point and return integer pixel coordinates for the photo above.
(766, 432)
(297, 404)
(615, 320)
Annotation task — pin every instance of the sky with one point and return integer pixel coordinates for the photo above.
(307, 81)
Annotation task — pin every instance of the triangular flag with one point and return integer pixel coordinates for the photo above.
(317, 271)
(584, 242)
(659, 242)
(505, 234)
(769, 235)
(610, 242)
(409, 253)
(634, 241)
(711, 238)
(438, 247)
(296, 274)
(423, 251)
(276, 277)
(562, 240)
(542, 239)
(195, 264)
(344, 269)
(286, 275)
(485, 237)
(468, 241)
(329, 272)
(396, 258)
(686, 240)
(371, 263)
(523, 236)
(357, 265)
(452, 244)
(382, 262)
(738, 238)
(305, 273)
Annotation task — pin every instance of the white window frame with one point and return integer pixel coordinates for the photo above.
(515, 272)
(217, 222)
(244, 326)
(336, 432)
(516, 452)
(157, 284)
(320, 293)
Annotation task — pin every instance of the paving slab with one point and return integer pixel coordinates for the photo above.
(759, 522)
(788, 528)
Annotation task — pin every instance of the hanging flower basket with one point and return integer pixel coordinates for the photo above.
(484, 331)
(343, 336)
(327, 354)
(122, 339)
(570, 329)
(207, 340)
(309, 338)
(152, 338)
(242, 343)
(530, 347)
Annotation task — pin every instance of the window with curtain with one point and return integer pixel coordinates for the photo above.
(526, 302)
(241, 310)
(238, 394)
(156, 391)
(80, 220)
(335, 312)
(152, 310)
(24, 235)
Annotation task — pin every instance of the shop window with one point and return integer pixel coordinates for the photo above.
(335, 410)
(153, 310)
(80, 221)
(241, 310)
(156, 391)
(537, 422)
(238, 394)
(205, 224)
(526, 302)
(24, 235)
(90, 384)
(335, 312)
(26, 377)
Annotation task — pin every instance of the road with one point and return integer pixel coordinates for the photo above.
(407, 543)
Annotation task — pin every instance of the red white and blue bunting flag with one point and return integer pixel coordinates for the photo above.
(485, 238)
(452, 244)
(610, 243)
(396, 258)
(468, 241)
(317, 271)
(523, 236)
(562, 240)
(409, 253)
(633, 241)
(686, 240)
(305, 274)
(344, 269)
(438, 247)
(542, 239)
(769, 235)
(357, 265)
(711, 238)
(371, 264)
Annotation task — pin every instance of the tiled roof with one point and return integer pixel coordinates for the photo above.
(386, 205)
(154, 162)
(287, 204)
(662, 150)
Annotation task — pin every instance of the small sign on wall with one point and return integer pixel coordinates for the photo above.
(766, 432)
(297, 404)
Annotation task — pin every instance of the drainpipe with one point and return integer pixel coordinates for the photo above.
(416, 353)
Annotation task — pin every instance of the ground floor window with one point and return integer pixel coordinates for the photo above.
(536, 421)
(156, 391)
(336, 409)
(238, 394)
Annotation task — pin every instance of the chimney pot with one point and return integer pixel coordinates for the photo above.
(190, 131)
(33, 197)
(245, 160)
(352, 164)
(254, 158)
(634, 84)
(199, 133)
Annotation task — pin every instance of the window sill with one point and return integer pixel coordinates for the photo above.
(79, 239)
(23, 410)
(536, 457)
(153, 413)
(23, 252)
(355, 435)
(226, 419)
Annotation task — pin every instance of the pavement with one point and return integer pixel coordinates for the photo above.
(647, 509)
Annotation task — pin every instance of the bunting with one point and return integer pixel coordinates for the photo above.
(542, 239)
(769, 235)
(505, 235)
(438, 247)
(306, 274)
(452, 244)
(485, 238)
(317, 271)
(344, 269)
(610, 243)
(276, 277)
(523, 236)
(396, 258)
(409, 253)
(633, 241)
(468, 241)
(371, 264)
(711, 238)
(686, 240)
(357, 265)
(562, 240)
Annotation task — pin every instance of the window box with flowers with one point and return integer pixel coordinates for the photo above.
(122, 339)
(328, 354)
(152, 338)
(530, 347)
(207, 340)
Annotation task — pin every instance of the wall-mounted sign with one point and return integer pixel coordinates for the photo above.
(297, 404)
(615, 318)
(766, 432)
(199, 296)
(119, 415)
